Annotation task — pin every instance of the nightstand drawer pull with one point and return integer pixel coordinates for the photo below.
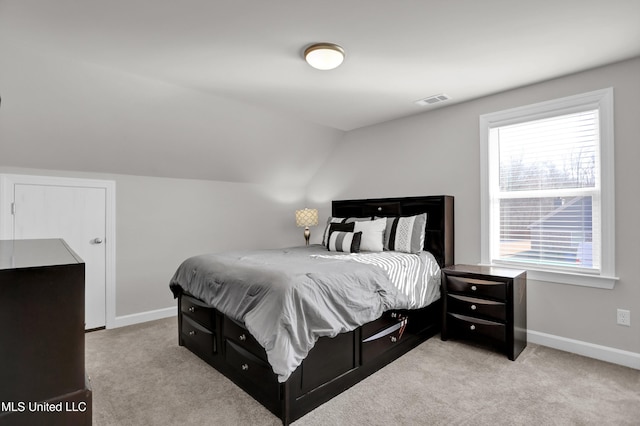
(242, 337)
(393, 339)
(192, 333)
(490, 309)
(192, 309)
(473, 327)
(474, 288)
(245, 367)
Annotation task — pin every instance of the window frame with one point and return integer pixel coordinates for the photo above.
(602, 100)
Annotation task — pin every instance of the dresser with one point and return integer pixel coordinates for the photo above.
(42, 371)
(486, 304)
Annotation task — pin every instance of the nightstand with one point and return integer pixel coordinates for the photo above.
(487, 304)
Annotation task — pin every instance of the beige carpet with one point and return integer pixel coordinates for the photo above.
(140, 376)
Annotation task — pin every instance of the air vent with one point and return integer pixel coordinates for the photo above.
(433, 99)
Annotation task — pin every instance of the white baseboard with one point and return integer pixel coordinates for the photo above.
(603, 353)
(144, 317)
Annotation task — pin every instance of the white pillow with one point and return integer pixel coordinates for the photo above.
(372, 234)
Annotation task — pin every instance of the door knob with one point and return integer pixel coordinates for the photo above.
(97, 241)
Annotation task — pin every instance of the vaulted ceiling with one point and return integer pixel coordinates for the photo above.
(219, 90)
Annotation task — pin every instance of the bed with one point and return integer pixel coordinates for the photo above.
(297, 359)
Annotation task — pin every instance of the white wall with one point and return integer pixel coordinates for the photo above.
(161, 222)
(438, 153)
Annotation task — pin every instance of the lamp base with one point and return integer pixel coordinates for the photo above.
(307, 234)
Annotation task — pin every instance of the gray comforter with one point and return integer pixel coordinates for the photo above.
(288, 298)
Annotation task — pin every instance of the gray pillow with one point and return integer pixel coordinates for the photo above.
(405, 234)
(344, 241)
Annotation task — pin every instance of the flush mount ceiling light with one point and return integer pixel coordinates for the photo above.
(324, 56)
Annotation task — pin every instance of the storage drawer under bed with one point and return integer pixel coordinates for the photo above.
(198, 311)
(198, 337)
(250, 368)
(382, 341)
(231, 330)
(388, 319)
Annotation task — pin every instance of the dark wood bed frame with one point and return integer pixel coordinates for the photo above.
(334, 364)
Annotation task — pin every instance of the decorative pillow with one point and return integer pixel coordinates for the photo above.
(330, 220)
(406, 233)
(344, 241)
(387, 231)
(372, 234)
(344, 227)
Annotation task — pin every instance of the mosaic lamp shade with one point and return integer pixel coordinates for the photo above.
(307, 218)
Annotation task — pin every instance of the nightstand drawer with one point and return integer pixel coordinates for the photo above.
(477, 287)
(476, 307)
(469, 326)
(242, 337)
(200, 337)
(198, 311)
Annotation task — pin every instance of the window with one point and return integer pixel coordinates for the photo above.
(547, 189)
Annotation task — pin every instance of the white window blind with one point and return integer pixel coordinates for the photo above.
(547, 189)
(546, 192)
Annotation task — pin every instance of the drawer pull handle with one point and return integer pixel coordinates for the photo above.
(192, 309)
(379, 209)
(242, 337)
(473, 327)
(394, 314)
(473, 307)
(245, 367)
(192, 333)
(474, 288)
(393, 339)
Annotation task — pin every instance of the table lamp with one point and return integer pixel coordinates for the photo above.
(307, 218)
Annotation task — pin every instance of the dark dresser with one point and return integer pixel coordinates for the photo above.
(42, 371)
(486, 304)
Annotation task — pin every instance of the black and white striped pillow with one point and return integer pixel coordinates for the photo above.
(330, 220)
(342, 227)
(405, 234)
(344, 241)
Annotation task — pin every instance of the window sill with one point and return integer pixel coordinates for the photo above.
(571, 278)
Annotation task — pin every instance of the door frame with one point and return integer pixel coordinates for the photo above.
(7, 182)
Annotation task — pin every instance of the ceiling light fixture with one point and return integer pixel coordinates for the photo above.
(324, 56)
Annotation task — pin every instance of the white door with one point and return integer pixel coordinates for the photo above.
(78, 215)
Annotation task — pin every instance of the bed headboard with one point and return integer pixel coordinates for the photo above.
(439, 210)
